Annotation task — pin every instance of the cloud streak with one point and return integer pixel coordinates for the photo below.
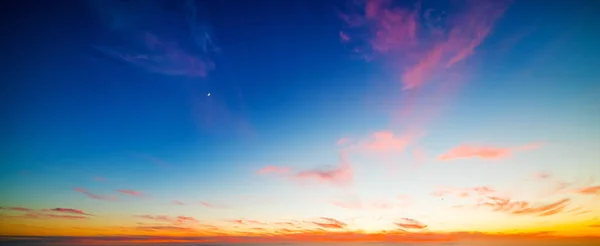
(94, 196)
(467, 151)
(342, 175)
(159, 49)
(424, 42)
(130, 192)
(330, 223)
(407, 223)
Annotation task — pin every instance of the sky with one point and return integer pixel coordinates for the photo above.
(300, 122)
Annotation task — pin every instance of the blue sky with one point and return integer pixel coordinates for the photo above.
(114, 95)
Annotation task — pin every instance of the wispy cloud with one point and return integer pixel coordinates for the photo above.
(213, 205)
(590, 190)
(274, 169)
(163, 218)
(464, 192)
(52, 216)
(407, 223)
(20, 209)
(424, 43)
(159, 50)
(94, 196)
(484, 152)
(342, 141)
(180, 203)
(330, 223)
(130, 192)
(341, 175)
(68, 211)
(52, 213)
(499, 204)
(386, 141)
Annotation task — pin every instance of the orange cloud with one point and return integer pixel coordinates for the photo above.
(331, 223)
(591, 190)
(523, 208)
(94, 196)
(407, 223)
(274, 169)
(483, 152)
(130, 192)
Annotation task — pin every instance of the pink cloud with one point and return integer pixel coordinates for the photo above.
(344, 37)
(483, 152)
(342, 141)
(212, 205)
(185, 219)
(407, 223)
(274, 169)
(386, 141)
(425, 50)
(20, 209)
(94, 196)
(67, 210)
(341, 175)
(130, 192)
(163, 218)
(52, 216)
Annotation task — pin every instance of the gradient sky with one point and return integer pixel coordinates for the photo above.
(365, 120)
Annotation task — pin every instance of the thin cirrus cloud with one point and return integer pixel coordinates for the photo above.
(53, 213)
(590, 190)
(158, 50)
(489, 198)
(213, 205)
(499, 204)
(466, 151)
(342, 141)
(274, 169)
(179, 203)
(342, 175)
(130, 192)
(94, 196)
(386, 141)
(68, 211)
(407, 223)
(330, 223)
(424, 43)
